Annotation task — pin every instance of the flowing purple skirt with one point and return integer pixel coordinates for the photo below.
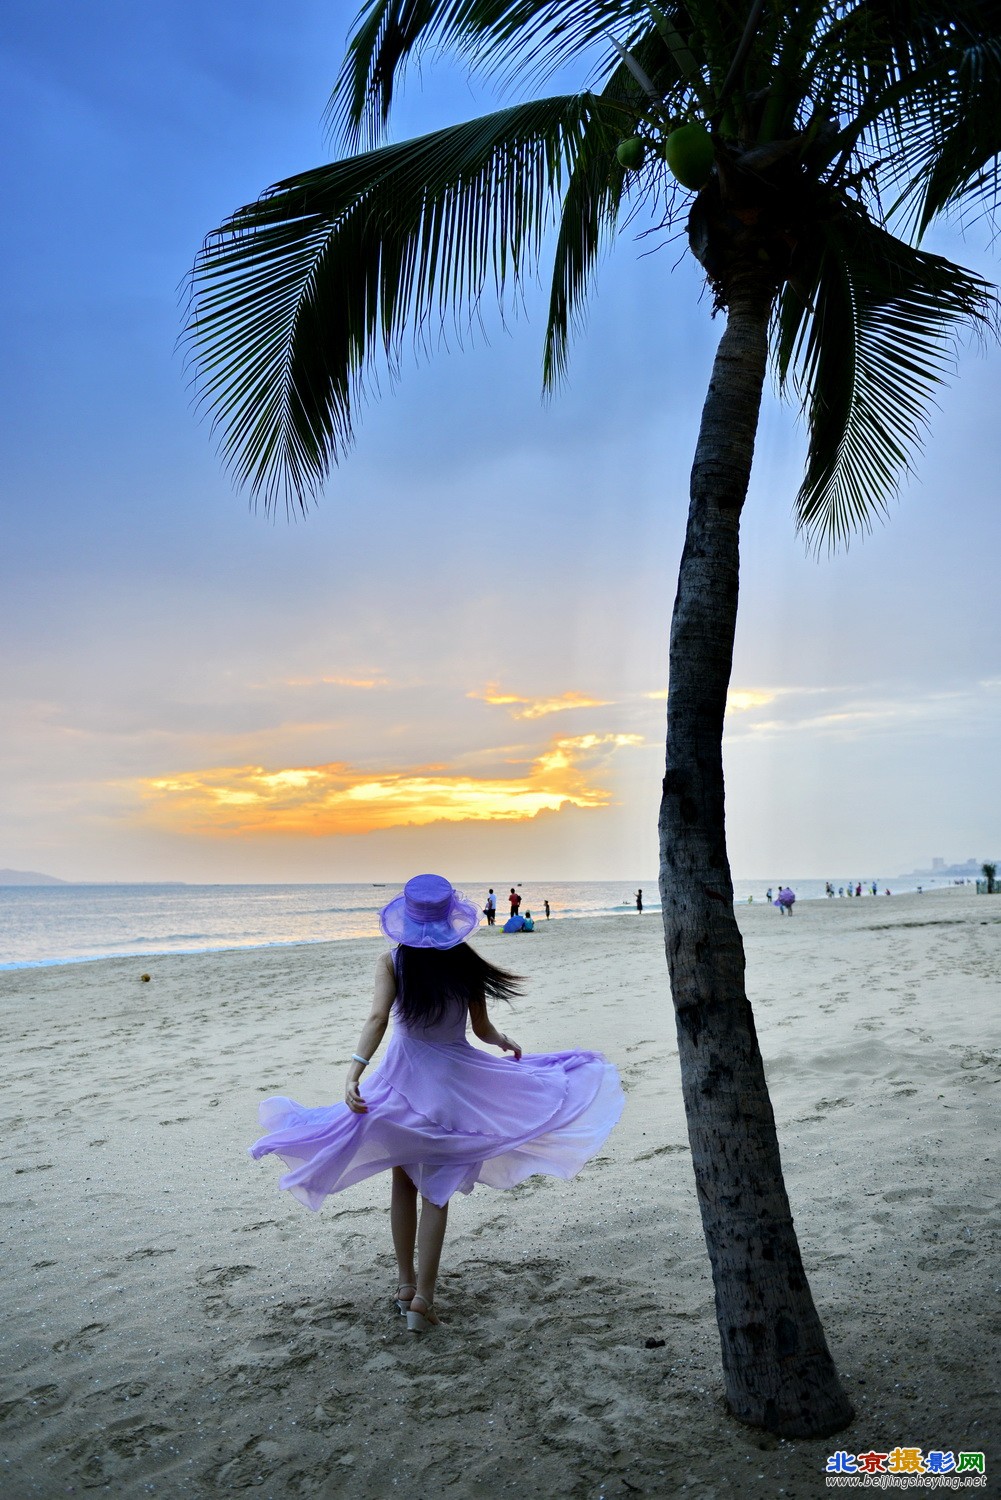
(450, 1116)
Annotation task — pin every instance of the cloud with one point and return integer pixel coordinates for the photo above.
(743, 700)
(852, 713)
(338, 798)
(376, 681)
(536, 708)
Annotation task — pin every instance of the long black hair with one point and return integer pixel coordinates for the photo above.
(429, 980)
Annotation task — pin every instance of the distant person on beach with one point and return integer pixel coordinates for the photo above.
(527, 923)
(785, 900)
(514, 923)
(768, 895)
(639, 902)
(490, 910)
(546, 905)
(439, 1113)
(515, 901)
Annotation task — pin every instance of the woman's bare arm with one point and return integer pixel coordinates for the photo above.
(372, 1032)
(487, 1031)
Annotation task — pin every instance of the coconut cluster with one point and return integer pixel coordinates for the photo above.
(688, 151)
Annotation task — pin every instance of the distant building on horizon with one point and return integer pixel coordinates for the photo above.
(946, 872)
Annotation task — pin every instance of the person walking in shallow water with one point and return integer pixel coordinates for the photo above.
(440, 1114)
(639, 902)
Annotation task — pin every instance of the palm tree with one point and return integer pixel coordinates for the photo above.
(807, 146)
(989, 871)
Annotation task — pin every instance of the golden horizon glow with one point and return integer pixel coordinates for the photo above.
(320, 801)
(536, 708)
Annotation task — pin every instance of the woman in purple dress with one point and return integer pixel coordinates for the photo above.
(441, 1114)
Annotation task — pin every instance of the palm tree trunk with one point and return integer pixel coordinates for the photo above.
(777, 1369)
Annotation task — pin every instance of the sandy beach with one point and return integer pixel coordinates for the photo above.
(175, 1326)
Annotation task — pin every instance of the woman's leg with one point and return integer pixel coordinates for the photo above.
(403, 1217)
(430, 1238)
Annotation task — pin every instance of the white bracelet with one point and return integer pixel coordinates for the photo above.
(363, 1060)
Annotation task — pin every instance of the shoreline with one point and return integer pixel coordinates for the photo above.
(741, 904)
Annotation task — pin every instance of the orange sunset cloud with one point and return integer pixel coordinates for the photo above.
(320, 801)
(536, 708)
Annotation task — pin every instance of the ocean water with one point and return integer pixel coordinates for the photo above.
(67, 923)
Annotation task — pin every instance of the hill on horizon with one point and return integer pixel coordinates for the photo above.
(29, 877)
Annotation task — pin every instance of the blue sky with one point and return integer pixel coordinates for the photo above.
(164, 642)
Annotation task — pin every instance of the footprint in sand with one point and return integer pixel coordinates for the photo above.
(148, 1251)
(81, 1342)
(247, 1467)
(944, 1260)
(822, 1109)
(532, 1185)
(499, 1221)
(37, 1402)
(126, 1390)
(335, 1318)
(218, 1276)
(660, 1151)
(128, 1439)
(973, 1059)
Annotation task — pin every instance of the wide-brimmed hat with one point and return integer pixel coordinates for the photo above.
(428, 913)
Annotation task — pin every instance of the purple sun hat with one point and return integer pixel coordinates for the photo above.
(428, 913)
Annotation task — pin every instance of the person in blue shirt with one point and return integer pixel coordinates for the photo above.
(514, 923)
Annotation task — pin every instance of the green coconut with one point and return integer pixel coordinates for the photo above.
(630, 153)
(688, 152)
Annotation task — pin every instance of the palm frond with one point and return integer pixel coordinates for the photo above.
(865, 354)
(296, 295)
(388, 32)
(962, 165)
(529, 37)
(598, 185)
(893, 71)
(589, 217)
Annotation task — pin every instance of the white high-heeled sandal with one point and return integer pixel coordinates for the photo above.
(419, 1322)
(402, 1304)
